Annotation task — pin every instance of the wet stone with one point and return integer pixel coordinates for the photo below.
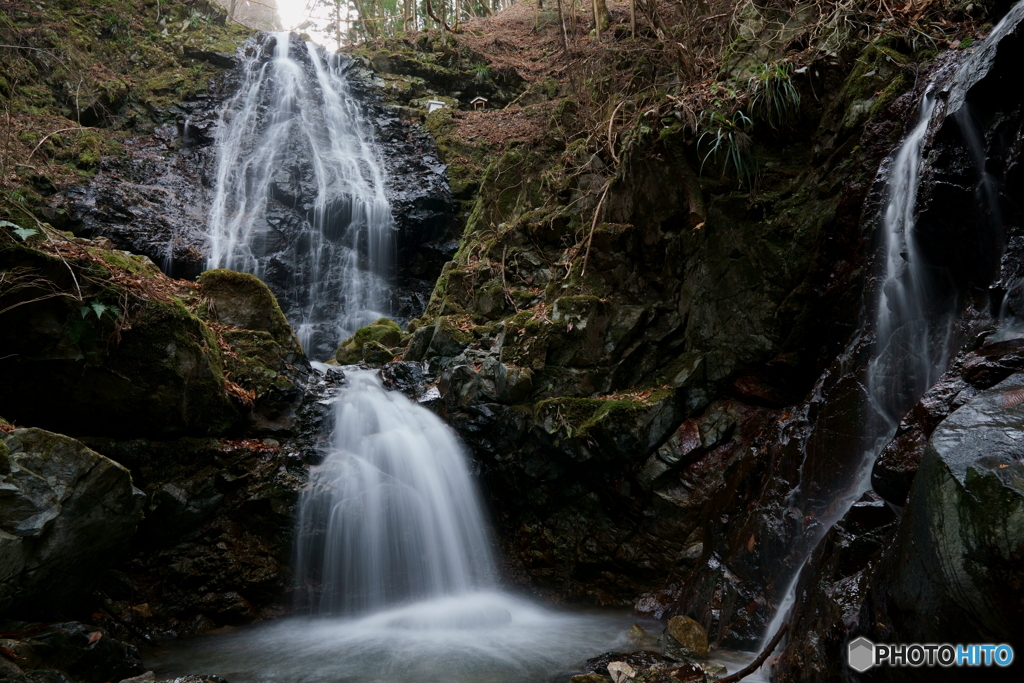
(685, 638)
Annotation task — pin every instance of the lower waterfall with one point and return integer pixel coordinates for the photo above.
(392, 514)
(394, 564)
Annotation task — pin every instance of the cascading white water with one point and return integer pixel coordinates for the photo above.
(392, 514)
(911, 342)
(294, 135)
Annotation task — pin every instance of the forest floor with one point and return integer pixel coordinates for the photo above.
(709, 59)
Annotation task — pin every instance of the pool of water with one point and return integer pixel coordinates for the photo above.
(486, 637)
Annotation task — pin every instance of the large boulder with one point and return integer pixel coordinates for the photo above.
(65, 511)
(265, 358)
(955, 572)
(101, 342)
(242, 300)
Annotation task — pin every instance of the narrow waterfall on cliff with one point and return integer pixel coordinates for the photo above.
(294, 133)
(916, 304)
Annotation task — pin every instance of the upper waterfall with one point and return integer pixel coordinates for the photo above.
(293, 133)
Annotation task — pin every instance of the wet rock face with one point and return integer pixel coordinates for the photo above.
(830, 592)
(426, 230)
(948, 571)
(154, 198)
(66, 513)
(971, 372)
(214, 547)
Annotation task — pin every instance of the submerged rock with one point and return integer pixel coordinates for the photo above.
(66, 513)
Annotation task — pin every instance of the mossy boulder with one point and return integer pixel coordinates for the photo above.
(98, 357)
(376, 354)
(242, 300)
(384, 332)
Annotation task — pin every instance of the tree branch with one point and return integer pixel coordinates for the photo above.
(759, 660)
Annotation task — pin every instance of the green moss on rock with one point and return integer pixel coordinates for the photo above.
(242, 300)
(383, 331)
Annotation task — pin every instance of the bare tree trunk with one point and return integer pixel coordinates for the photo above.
(565, 34)
(601, 17)
(632, 18)
(337, 22)
(602, 13)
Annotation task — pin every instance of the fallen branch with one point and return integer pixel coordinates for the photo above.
(611, 137)
(759, 660)
(62, 130)
(593, 226)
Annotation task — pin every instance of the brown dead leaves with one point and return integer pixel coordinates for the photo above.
(1012, 398)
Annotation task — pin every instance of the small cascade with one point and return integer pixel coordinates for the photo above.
(912, 331)
(294, 136)
(917, 305)
(392, 514)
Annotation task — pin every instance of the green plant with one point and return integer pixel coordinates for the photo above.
(773, 97)
(98, 308)
(481, 71)
(22, 233)
(725, 136)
